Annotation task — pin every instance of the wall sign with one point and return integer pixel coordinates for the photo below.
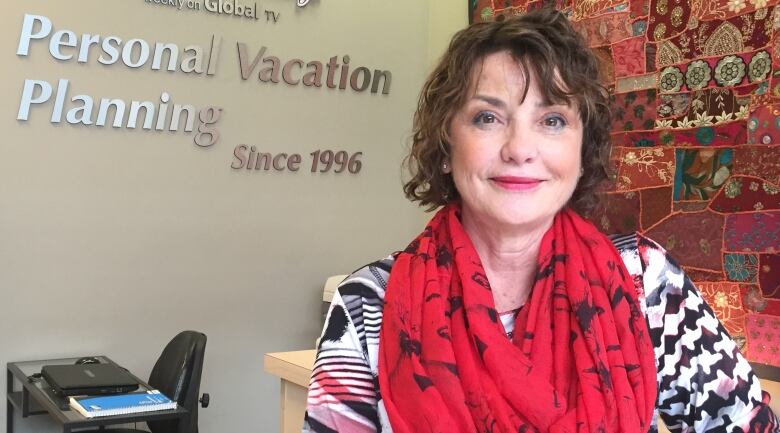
(219, 7)
(64, 101)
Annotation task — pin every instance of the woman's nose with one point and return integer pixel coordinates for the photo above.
(520, 146)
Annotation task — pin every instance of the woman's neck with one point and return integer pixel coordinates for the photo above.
(509, 257)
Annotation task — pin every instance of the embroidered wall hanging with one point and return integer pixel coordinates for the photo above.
(696, 142)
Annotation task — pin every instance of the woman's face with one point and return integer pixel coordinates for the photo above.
(514, 164)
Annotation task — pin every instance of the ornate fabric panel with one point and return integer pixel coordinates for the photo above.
(741, 267)
(621, 217)
(768, 269)
(763, 332)
(753, 232)
(695, 89)
(726, 300)
(700, 173)
(628, 56)
(633, 110)
(746, 194)
(693, 238)
(715, 38)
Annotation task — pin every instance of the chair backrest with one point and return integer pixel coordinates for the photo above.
(331, 284)
(177, 375)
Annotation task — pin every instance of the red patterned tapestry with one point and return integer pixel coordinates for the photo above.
(696, 135)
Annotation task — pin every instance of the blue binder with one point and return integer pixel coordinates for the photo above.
(121, 404)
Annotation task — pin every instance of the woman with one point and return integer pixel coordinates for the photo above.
(510, 312)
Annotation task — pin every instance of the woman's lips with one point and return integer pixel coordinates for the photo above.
(515, 183)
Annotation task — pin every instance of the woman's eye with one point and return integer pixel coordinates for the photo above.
(554, 121)
(485, 118)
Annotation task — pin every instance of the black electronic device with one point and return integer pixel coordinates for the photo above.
(88, 379)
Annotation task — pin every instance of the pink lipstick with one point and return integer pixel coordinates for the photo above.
(516, 183)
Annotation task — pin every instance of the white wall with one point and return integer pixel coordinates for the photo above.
(113, 240)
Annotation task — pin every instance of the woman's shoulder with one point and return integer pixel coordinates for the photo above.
(645, 252)
(367, 283)
(635, 241)
(655, 272)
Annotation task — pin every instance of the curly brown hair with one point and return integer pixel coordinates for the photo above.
(544, 44)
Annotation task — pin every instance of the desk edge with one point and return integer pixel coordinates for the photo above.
(284, 369)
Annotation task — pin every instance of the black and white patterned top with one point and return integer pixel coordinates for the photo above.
(704, 382)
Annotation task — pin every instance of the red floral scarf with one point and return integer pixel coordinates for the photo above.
(580, 360)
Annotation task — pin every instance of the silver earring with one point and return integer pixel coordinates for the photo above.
(445, 167)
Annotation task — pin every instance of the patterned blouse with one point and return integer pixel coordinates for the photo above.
(704, 382)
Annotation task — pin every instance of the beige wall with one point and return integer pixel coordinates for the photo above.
(112, 240)
(445, 18)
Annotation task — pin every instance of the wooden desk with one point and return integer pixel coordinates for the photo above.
(294, 369)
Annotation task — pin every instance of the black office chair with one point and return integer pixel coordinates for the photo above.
(177, 375)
